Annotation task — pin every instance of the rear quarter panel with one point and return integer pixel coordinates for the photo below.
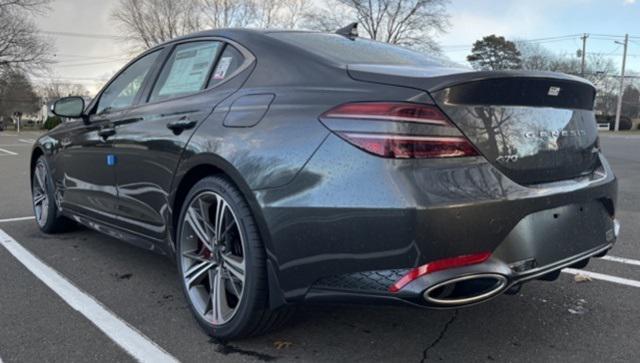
(271, 154)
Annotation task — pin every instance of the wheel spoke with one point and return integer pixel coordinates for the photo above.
(227, 229)
(218, 297)
(221, 208)
(196, 225)
(195, 256)
(196, 272)
(38, 199)
(41, 177)
(236, 292)
(235, 267)
(206, 220)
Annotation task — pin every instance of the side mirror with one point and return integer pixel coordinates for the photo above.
(71, 107)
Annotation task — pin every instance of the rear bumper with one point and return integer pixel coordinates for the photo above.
(373, 287)
(349, 216)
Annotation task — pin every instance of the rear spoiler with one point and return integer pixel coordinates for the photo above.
(434, 79)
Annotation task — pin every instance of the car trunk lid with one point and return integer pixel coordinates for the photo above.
(535, 127)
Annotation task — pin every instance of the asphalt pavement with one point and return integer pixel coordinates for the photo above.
(597, 320)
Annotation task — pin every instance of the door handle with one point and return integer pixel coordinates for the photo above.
(180, 125)
(107, 132)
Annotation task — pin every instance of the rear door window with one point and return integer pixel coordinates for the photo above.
(230, 60)
(186, 71)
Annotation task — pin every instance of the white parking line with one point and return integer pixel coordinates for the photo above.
(131, 340)
(8, 152)
(627, 261)
(16, 219)
(603, 277)
(27, 141)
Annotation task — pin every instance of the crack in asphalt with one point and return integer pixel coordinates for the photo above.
(425, 352)
(225, 348)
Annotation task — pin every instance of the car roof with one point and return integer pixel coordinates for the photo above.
(237, 34)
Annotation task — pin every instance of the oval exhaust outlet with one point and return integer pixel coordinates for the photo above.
(465, 289)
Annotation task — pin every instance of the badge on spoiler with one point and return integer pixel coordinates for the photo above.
(553, 91)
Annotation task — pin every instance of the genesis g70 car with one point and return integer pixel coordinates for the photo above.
(281, 167)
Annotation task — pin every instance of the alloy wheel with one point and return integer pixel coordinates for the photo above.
(212, 256)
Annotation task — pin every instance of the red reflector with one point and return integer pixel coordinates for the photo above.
(406, 147)
(439, 265)
(390, 111)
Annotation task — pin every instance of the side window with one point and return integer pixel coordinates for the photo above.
(186, 71)
(123, 90)
(230, 60)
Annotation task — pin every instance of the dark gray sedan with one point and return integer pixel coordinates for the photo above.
(278, 167)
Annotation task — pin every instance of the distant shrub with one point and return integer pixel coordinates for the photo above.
(625, 122)
(51, 122)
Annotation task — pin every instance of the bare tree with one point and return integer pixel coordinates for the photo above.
(146, 23)
(149, 22)
(538, 58)
(228, 13)
(412, 23)
(631, 101)
(293, 14)
(16, 94)
(36, 6)
(55, 89)
(405, 22)
(284, 14)
(534, 57)
(599, 70)
(21, 46)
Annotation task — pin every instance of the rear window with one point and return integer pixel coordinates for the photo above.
(359, 50)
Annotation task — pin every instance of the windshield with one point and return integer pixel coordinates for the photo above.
(358, 50)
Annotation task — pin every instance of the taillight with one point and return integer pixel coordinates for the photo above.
(439, 265)
(410, 147)
(390, 111)
(400, 146)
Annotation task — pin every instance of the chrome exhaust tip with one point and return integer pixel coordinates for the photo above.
(465, 290)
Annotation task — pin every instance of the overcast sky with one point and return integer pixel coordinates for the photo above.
(74, 54)
(92, 60)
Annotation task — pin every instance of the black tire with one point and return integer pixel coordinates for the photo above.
(52, 220)
(252, 315)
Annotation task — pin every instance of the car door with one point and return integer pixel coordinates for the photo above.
(88, 180)
(196, 76)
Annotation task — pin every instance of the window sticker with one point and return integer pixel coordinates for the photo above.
(222, 68)
(189, 70)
